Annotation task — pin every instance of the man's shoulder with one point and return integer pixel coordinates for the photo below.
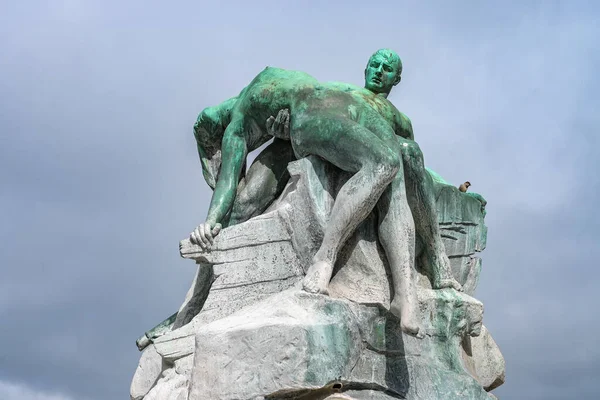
(218, 113)
(404, 126)
(404, 120)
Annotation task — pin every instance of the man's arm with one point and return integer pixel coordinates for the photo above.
(208, 131)
(234, 151)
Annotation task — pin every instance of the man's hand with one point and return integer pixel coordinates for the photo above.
(279, 126)
(204, 235)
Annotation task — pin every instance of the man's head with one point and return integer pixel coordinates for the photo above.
(383, 72)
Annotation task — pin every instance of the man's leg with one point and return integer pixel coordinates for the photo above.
(419, 188)
(352, 148)
(264, 181)
(397, 236)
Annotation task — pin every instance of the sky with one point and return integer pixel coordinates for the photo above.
(100, 178)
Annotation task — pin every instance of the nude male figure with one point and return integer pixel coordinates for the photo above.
(382, 73)
(344, 127)
(267, 177)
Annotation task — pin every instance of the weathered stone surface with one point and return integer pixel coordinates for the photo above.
(221, 303)
(248, 263)
(361, 395)
(264, 250)
(292, 341)
(246, 331)
(171, 386)
(464, 233)
(266, 228)
(484, 360)
(447, 316)
(324, 394)
(147, 373)
(320, 340)
(196, 296)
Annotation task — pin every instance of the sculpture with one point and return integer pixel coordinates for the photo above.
(359, 131)
(266, 177)
(245, 302)
(264, 181)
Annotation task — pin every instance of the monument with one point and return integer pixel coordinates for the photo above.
(335, 267)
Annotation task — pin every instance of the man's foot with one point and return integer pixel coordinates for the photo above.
(317, 278)
(409, 321)
(442, 273)
(450, 283)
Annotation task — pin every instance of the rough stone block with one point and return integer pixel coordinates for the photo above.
(484, 360)
(147, 373)
(246, 331)
(320, 341)
(301, 341)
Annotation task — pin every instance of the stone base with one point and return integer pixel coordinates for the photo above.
(246, 331)
(297, 344)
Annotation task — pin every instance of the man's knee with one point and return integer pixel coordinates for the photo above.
(388, 163)
(412, 149)
(411, 153)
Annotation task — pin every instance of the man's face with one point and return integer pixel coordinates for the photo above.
(381, 74)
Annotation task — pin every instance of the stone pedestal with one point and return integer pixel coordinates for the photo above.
(247, 331)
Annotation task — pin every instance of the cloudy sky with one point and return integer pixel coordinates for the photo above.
(99, 176)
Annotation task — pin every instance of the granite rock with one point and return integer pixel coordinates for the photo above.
(147, 373)
(484, 360)
(296, 344)
(246, 331)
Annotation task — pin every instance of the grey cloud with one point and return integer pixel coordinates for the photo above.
(97, 156)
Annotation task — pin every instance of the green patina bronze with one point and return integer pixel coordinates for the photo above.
(363, 165)
(265, 179)
(158, 330)
(356, 129)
